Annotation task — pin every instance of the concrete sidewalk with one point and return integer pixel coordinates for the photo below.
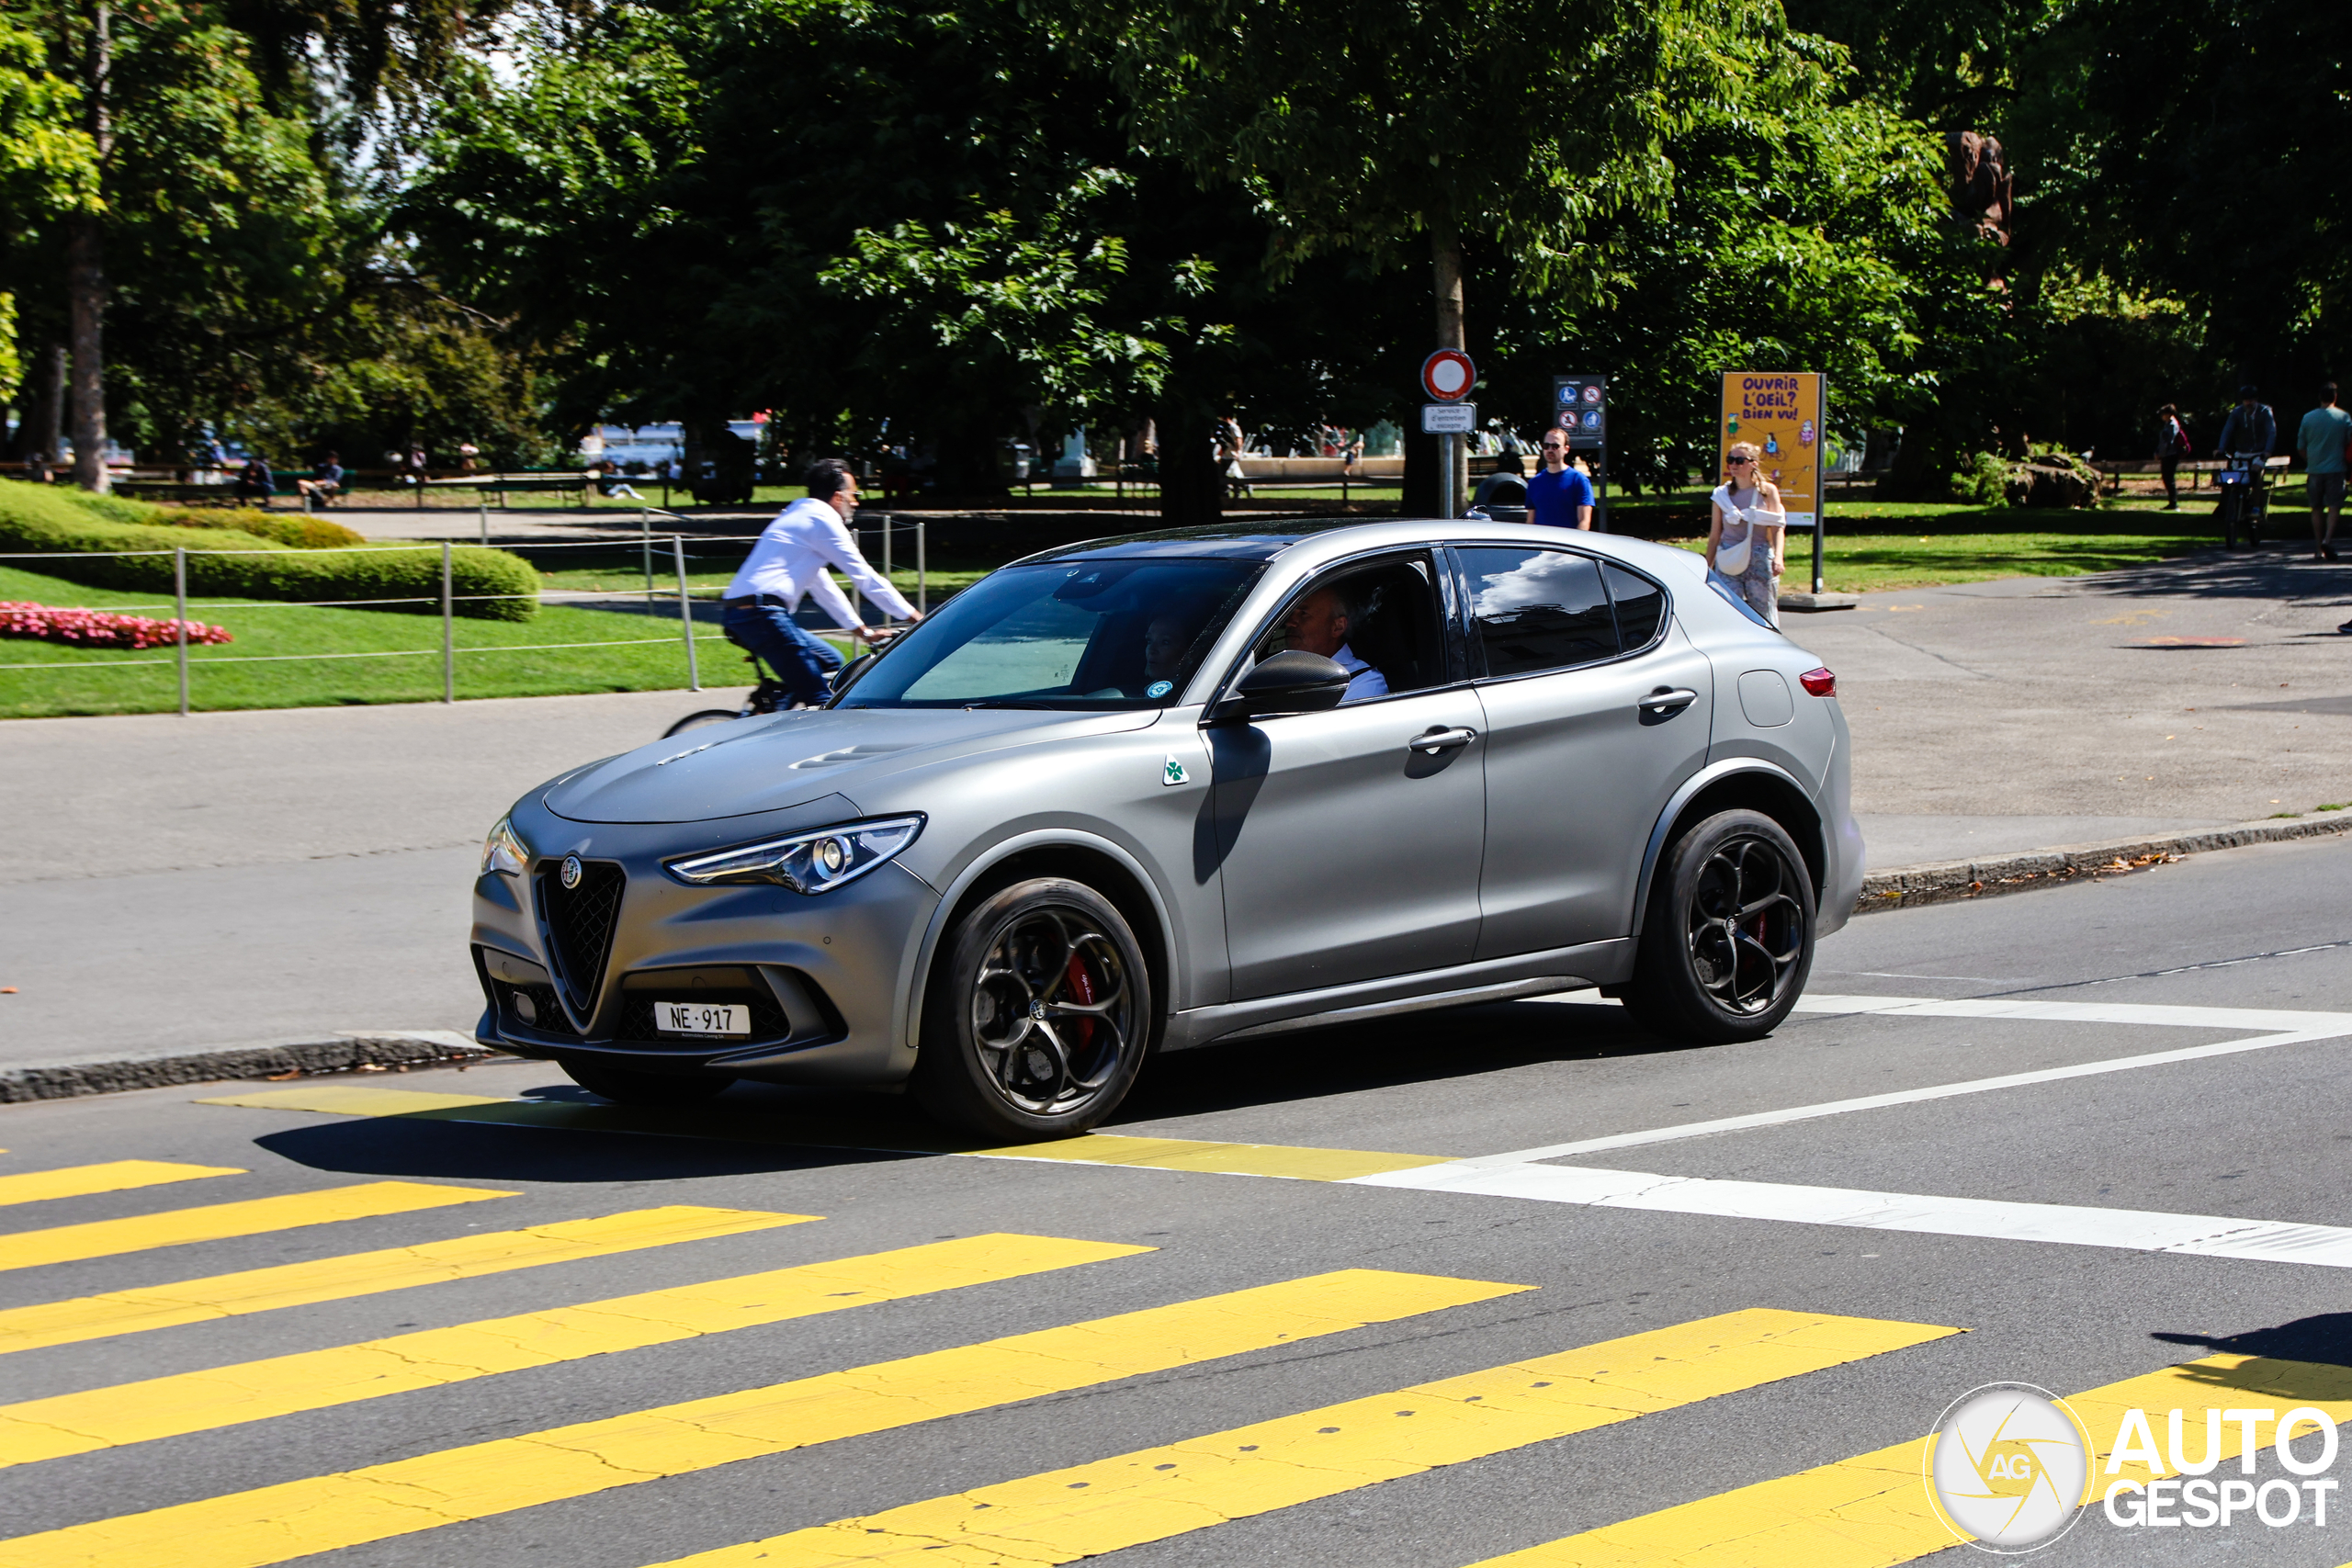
(190, 884)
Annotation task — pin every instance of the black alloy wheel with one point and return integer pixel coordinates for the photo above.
(627, 1085)
(1728, 941)
(1037, 1015)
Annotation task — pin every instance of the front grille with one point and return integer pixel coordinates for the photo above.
(768, 1021)
(580, 923)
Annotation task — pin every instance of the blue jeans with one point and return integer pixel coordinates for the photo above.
(804, 663)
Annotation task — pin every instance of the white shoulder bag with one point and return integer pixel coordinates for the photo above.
(1731, 559)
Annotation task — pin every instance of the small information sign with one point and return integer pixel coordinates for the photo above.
(1580, 407)
(1449, 419)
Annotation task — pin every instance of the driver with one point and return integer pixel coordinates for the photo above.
(1318, 624)
(1164, 644)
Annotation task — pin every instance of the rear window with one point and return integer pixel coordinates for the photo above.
(1641, 607)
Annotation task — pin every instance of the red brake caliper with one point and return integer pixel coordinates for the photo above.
(1078, 984)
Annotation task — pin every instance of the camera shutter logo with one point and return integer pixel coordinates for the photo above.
(2008, 1468)
(571, 873)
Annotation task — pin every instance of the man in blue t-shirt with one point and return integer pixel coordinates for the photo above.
(2322, 439)
(1559, 496)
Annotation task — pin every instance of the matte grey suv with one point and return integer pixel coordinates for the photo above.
(1126, 797)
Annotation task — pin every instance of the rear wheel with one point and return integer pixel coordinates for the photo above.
(625, 1085)
(1037, 1014)
(1728, 940)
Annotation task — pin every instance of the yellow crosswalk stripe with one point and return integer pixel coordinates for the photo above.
(1065, 1515)
(1093, 1148)
(272, 1524)
(219, 1296)
(224, 1397)
(113, 1176)
(219, 1221)
(1872, 1510)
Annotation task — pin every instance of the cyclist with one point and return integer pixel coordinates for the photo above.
(2251, 427)
(788, 564)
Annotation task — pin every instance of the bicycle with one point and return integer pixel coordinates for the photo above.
(771, 695)
(2246, 498)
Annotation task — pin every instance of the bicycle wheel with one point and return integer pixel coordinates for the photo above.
(701, 720)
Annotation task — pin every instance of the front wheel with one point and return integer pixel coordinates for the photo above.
(1037, 1015)
(699, 720)
(1728, 940)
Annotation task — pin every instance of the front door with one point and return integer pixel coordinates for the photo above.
(1597, 709)
(1349, 852)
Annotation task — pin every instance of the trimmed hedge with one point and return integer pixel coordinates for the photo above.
(296, 529)
(48, 519)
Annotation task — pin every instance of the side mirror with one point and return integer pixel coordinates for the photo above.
(1296, 681)
(850, 672)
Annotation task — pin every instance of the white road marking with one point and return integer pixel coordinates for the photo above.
(2297, 1028)
(2204, 1235)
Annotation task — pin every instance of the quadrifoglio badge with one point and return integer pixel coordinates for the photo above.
(2011, 1468)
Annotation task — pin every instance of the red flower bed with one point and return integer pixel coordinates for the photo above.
(97, 628)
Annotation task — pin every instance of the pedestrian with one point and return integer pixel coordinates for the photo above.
(1744, 532)
(1231, 446)
(2172, 445)
(787, 565)
(1558, 496)
(610, 482)
(2323, 436)
(467, 456)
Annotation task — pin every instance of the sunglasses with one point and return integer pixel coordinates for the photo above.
(1735, 462)
(1551, 445)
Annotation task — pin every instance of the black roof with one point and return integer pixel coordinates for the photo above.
(1226, 541)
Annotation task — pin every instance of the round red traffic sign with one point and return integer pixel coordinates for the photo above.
(1448, 375)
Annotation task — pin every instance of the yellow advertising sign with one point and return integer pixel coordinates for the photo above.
(1781, 412)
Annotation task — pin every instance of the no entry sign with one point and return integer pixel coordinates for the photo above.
(1448, 375)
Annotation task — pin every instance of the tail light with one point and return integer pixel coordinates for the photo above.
(1820, 683)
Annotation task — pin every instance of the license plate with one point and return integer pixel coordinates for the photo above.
(702, 1017)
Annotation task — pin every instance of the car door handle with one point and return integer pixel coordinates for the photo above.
(1666, 698)
(1438, 740)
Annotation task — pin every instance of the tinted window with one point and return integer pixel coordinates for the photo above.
(1392, 623)
(1085, 633)
(1641, 606)
(1538, 609)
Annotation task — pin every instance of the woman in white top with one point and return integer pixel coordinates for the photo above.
(1743, 533)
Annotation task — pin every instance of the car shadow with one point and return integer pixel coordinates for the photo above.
(2325, 1338)
(559, 1132)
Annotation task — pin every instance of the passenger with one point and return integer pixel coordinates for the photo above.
(1318, 624)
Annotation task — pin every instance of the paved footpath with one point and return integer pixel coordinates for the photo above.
(190, 884)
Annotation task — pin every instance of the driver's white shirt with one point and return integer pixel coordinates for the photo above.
(790, 560)
(1368, 681)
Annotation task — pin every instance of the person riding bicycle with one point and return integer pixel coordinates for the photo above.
(2251, 427)
(788, 563)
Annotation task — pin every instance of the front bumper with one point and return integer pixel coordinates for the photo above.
(826, 978)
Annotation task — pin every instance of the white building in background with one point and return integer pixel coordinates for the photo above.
(649, 444)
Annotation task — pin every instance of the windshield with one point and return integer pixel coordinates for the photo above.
(1083, 635)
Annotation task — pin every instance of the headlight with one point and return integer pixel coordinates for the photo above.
(503, 852)
(806, 863)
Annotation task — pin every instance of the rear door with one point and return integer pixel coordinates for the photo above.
(1596, 708)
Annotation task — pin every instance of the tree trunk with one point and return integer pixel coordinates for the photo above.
(38, 432)
(1192, 486)
(86, 277)
(1445, 256)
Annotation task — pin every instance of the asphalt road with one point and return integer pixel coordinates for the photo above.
(1670, 1366)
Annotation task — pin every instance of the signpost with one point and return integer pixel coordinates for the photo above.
(1447, 376)
(1783, 413)
(1580, 407)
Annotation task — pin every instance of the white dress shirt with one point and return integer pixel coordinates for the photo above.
(790, 558)
(1368, 681)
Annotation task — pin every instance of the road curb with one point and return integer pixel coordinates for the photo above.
(160, 1069)
(1909, 886)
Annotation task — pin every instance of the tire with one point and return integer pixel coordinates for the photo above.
(625, 1085)
(1037, 1016)
(699, 720)
(1704, 973)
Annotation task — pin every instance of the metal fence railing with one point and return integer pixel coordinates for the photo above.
(680, 591)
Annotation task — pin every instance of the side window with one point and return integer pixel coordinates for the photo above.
(1382, 614)
(1532, 610)
(1641, 607)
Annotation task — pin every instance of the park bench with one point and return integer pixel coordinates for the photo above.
(528, 484)
(2194, 467)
